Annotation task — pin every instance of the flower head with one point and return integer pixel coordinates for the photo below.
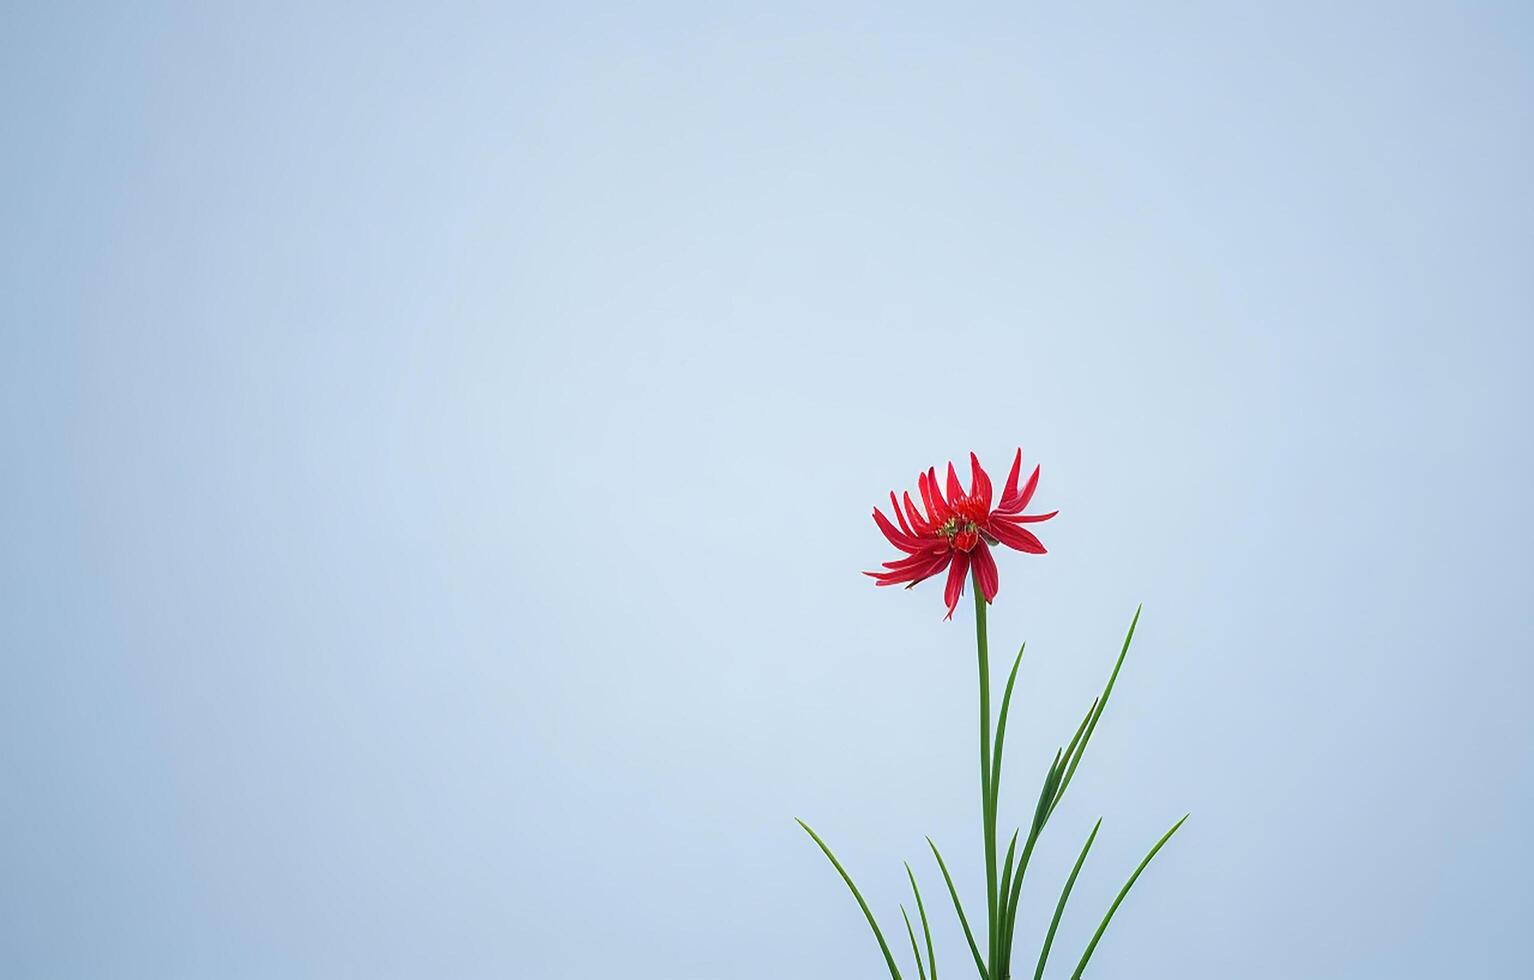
(955, 530)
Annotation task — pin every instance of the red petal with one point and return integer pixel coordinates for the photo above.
(920, 523)
(955, 587)
(938, 564)
(1015, 503)
(913, 574)
(902, 541)
(1010, 490)
(985, 569)
(1027, 518)
(1028, 488)
(979, 481)
(895, 506)
(944, 511)
(913, 561)
(1015, 537)
(955, 491)
(925, 488)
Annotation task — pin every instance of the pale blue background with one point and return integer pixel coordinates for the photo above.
(438, 448)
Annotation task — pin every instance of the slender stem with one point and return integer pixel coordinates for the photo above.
(987, 791)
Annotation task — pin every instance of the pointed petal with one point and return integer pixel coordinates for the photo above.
(912, 561)
(985, 568)
(935, 569)
(914, 573)
(955, 587)
(979, 481)
(1010, 489)
(943, 508)
(925, 488)
(899, 517)
(1028, 488)
(1028, 518)
(892, 534)
(1015, 537)
(1019, 500)
(918, 522)
(1014, 500)
(955, 490)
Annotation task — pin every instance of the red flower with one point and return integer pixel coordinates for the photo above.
(956, 532)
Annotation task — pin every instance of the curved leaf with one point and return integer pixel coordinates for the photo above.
(1092, 946)
(925, 928)
(1101, 704)
(1065, 894)
(879, 935)
(915, 949)
(959, 907)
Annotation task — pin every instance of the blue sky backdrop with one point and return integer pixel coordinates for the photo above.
(439, 444)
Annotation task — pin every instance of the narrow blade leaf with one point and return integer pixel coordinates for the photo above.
(1065, 894)
(1001, 728)
(1002, 890)
(873, 923)
(925, 928)
(959, 907)
(1102, 703)
(1092, 946)
(915, 949)
(1040, 817)
(1070, 750)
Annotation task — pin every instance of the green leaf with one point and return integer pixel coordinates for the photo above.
(987, 783)
(915, 950)
(878, 934)
(1002, 890)
(925, 928)
(993, 793)
(1040, 816)
(1006, 868)
(1070, 750)
(1001, 728)
(959, 907)
(1065, 895)
(1102, 703)
(1092, 946)
(1044, 807)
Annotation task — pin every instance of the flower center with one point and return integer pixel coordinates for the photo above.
(963, 529)
(962, 534)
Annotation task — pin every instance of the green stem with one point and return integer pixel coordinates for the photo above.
(987, 791)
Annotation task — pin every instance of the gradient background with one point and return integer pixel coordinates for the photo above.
(438, 449)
